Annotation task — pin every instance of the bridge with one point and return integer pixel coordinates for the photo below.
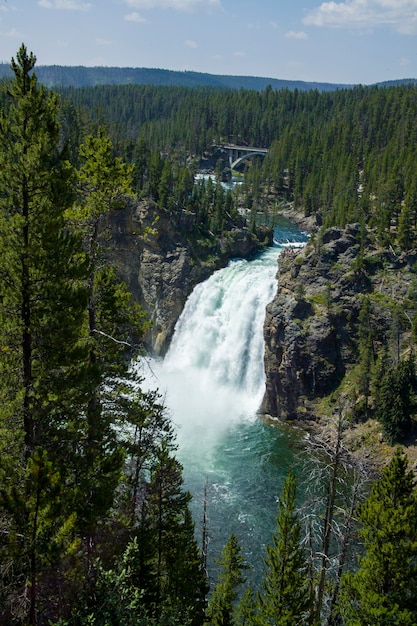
(238, 154)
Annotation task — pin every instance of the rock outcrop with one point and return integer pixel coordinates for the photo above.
(161, 260)
(311, 326)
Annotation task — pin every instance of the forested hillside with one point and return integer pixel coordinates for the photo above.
(54, 76)
(95, 525)
(348, 155)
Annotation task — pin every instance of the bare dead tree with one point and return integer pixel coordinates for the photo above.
(334, 484)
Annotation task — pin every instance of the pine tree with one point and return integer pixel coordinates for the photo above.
(285, 599)
(366, 352)
(41, 315)
(42, 306)
(103, 184)
(173, 575)
(395, 399)
(405, 231)
(383, 591)
(221, 607)
(46, 538)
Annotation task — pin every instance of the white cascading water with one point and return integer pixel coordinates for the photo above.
(213, 373)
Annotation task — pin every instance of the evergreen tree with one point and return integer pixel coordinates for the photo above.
(38, 549)
(172, 575)
(285, 599)
(405, 232)
(103, 183)
(395, 400)
(383, 591)
(221, 607)
(169, 517)
(165, 185)
(366, 352)
(41, 315)
(41, 304)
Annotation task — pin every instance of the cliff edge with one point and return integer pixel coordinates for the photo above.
(311, 326)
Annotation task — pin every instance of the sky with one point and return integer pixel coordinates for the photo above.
(340, 41)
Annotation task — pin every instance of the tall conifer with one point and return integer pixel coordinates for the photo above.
(42, 304)
(383, 591)
(221, 607)
(285, 599)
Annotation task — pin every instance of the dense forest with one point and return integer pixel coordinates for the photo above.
(80, 76)
(95, 525)
(348, 155)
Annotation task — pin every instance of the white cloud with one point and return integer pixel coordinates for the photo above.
(239, 54)
(14, 34)
(292, 34)
(103, 42)
(67, 5)
(404, 62)
(136, 17)
(191, 44)
(5, 8)
(399, 14)
(179, 5)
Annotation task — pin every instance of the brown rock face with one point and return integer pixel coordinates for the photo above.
(309, 325)
(161, 261)
(302, 356)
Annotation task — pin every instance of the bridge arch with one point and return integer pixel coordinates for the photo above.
(238, 154)
(239, 160)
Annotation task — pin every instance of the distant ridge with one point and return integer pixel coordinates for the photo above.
(81, 76)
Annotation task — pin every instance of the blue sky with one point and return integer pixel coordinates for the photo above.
(339, 41)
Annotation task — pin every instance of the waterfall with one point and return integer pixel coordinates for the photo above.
(212, 380)
(213, 373)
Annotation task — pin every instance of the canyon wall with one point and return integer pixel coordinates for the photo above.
(161, 258)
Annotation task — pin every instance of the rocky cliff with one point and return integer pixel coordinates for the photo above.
(161, 259)
(311, 326)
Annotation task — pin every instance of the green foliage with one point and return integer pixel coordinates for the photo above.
(42, 296)
(285, 599)
(42, 307)
(345, 154)
(39, 536)
(68, 330)
(95, 526)
(395, 398)
(103, 184)
(175, 568)
(383, 590)
(366, 352)
(116, 600)
(221, 607)
(300, 292)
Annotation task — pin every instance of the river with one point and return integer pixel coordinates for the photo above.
(213, 382)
